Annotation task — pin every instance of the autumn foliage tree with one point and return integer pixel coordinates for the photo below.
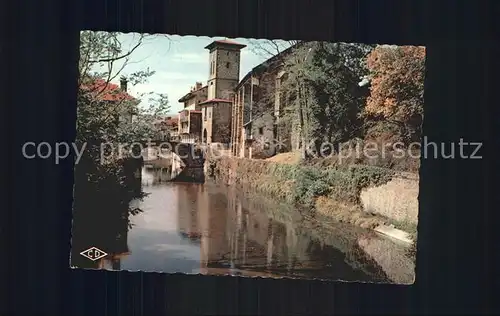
(394, 109)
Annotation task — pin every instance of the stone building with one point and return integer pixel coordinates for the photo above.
(190, 117)
(167, 128)
(244, 114)
(224, 69)
(257, 109)
(172, 127)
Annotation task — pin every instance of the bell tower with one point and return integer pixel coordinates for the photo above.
(224, 68)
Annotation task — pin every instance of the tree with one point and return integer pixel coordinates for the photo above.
(319, 92)
(103, 59)
(142, 126)
(324, 98)
(395, 104)
(272, 48)
(337, 99)
(100, 105)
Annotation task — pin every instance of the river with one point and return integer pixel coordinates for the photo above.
(216, 229)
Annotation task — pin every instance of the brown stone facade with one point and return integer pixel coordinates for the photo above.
(257, 110)
(224, 61)
(224, 72)
(216, 122)
(243, 115)
(206, 116)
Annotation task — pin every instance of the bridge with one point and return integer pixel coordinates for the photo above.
(185, 161)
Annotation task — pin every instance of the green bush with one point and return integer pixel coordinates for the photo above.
(365, 176)
(283, 171)
(310, 183)
(343, 188)
(342, 183)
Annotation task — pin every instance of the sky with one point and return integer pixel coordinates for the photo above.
(179, 62)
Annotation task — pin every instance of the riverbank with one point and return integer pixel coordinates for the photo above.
(383, 258)
(215, 229)
(366, 196)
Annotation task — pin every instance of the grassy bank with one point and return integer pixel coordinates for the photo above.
(333, 191)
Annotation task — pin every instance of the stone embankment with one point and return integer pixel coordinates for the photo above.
(397, 199)
(365, 196)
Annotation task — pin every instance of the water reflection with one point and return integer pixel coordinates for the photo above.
(153, 176)
(215, 229)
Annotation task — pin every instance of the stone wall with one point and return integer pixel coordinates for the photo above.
(200, 96)
(227, 63)
(263, 134)
(397, 199)
(225, 67)
(221, 123)
(224, 88)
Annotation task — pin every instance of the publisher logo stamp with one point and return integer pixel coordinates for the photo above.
(93, 253)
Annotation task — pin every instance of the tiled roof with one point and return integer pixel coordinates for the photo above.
(110, 92)
(171, 122)
(191, 94)
(225, 42)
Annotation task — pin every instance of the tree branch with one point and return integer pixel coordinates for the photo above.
(112, 59)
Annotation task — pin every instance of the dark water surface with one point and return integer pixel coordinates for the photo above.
(216, 229)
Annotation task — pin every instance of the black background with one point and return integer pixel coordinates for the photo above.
(456, 268)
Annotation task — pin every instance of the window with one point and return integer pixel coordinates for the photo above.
(209, 114)
(261, 130)
(205, 114)
(228, 64)
(212, 83)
